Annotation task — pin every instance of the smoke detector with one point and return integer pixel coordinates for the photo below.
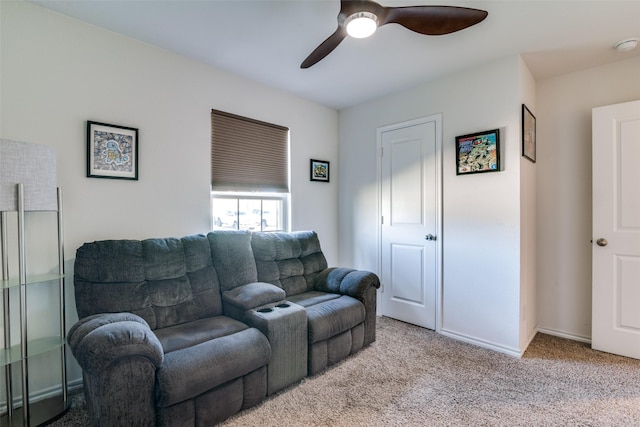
(626, 45)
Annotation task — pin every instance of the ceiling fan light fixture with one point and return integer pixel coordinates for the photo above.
(361, 24)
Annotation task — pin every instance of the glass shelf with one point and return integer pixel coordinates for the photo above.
(35, 347)
(33, 280)
(31, 412)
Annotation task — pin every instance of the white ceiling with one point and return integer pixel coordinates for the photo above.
(266, 40)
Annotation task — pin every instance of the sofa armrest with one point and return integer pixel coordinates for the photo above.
(236, 302)
(358, 284)
(119, 356)
(346, 281)
(98, 341)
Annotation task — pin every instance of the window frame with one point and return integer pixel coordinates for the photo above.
(250, 160)
(239, 195)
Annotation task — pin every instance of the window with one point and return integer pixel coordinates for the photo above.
(249, 174)
(261, 212)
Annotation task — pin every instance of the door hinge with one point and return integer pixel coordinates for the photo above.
(381, 151)
(382, 220)
(381, 287)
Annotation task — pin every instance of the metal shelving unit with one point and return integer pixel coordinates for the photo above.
(22, 409)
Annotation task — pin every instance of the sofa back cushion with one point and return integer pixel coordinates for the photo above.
(165, 281)
(288, 260)
(233, 258)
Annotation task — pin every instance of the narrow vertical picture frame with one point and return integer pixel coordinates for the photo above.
(319, 170)
(112, 151)
(528, 134)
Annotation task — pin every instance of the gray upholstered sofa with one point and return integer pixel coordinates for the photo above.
(188, 331)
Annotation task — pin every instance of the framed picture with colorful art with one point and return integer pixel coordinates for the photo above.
(319, 170)
(112, 151)
(478, 152)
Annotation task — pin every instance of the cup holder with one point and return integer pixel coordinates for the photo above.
(270, 309)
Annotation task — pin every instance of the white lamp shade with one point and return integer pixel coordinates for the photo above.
(32, 165)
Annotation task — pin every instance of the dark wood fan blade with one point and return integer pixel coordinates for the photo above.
(325, 48)
(432, 20)
(347, 7)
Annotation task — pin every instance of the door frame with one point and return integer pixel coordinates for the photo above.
(437, 118)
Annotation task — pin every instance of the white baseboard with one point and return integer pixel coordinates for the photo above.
(532, 335)
(482, 343)
(75, 384)
(566, 335)
(511, 351)
(43, 394)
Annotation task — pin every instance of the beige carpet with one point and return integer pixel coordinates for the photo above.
(414, 377)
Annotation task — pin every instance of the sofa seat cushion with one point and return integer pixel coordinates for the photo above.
(189, 334)
(307, 299)
(330, 314)
(191, 371)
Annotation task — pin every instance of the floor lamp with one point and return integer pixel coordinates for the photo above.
(27, 183)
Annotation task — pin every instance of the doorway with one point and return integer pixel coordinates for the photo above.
(410, 171)
(616, 230)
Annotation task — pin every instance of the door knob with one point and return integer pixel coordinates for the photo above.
(602, 242)
(429, 237)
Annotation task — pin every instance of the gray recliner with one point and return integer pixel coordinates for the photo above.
(189, 331)
(340, 303)
(153, 343)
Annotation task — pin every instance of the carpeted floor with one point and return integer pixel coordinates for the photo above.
(415, 377)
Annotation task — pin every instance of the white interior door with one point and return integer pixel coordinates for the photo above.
(410, 223)
(616, 229)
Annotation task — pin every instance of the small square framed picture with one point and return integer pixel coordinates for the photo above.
(319, 170)
(112, 151)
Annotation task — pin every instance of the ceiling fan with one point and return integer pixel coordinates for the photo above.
(367, 15)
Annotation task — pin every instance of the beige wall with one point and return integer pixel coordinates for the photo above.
(564, 106)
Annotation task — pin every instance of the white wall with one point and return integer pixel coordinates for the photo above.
(528, 229)
(564, 106)
(481, 218)
(57, 73)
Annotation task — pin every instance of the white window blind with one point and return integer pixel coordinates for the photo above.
(247, 154)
